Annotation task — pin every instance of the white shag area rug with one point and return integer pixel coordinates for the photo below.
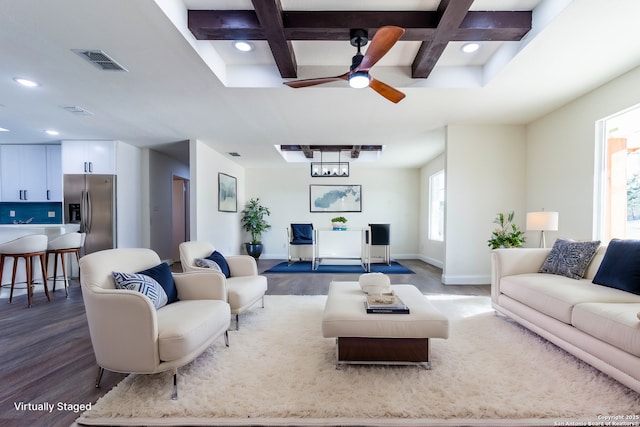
(279, 370)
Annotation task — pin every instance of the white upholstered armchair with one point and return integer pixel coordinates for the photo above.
(244, 286)
(130, 335)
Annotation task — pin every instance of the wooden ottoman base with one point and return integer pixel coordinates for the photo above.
(387, 351)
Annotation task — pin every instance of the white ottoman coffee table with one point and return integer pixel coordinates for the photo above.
(363, 338)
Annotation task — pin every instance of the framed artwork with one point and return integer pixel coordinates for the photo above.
(227, 193)
(335, 198)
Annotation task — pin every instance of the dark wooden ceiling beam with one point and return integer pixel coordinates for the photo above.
(308, 152)
(435, 29)
(328, 26)
(452, 14)
(225, 25)
(331, 25)
(269, 13)
(328, 148)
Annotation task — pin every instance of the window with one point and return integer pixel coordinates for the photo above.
(618, 177)
(436, 206)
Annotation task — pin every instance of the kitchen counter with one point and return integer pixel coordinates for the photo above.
(13, 231)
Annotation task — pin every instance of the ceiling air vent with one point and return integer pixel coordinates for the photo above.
(234, 154)
(79, 111)
(100, 60)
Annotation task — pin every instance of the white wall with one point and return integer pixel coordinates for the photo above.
(561, 155)
(489, 169)
(129, 190)
(222, 229)
(388, 196)
(431, 251)
(485, 174)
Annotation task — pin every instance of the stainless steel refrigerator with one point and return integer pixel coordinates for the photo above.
(90, 200)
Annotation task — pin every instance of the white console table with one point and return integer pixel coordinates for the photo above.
(340, 246)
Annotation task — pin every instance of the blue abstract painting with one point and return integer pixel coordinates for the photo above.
(335, 198)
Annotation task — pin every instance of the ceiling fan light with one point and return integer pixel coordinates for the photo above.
(359, 79)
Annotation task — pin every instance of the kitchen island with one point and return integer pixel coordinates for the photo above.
(10, 232)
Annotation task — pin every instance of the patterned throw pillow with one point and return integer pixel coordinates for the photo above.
(207, 263)
(144, 284)
(570, 258)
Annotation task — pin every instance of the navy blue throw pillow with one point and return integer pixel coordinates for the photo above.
(302, 233)
(161, 273)
(620, 266)
(218, 258)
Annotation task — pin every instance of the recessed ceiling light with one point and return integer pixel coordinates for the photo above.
(26, 82)
(52, 132)
(243, 45)
(470, 47)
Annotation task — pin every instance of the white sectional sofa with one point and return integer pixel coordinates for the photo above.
(598, 324)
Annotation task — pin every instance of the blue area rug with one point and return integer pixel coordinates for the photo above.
(305, 267)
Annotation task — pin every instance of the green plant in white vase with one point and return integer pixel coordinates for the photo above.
(339, 223)
(507, 235)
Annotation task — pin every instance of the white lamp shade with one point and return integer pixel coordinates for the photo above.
(542, 221)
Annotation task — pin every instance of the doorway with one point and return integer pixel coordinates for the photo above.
(179, 215)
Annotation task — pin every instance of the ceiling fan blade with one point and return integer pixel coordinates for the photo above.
(381, 43)
(392, 94)
(317, 81)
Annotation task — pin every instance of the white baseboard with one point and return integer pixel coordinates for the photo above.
(431, 261)
(466, 280)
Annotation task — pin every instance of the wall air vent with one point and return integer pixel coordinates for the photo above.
(100, 60)
(79, 111)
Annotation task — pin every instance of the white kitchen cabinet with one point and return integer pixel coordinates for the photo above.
(23, 169)
(84, 157)
(54, 173)
(30, 173)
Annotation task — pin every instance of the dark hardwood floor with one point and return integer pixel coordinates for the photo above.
(46, 354)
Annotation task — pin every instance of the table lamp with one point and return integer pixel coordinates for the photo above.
(542, 221)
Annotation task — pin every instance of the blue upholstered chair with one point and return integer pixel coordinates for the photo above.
(302, 241)
(381, 236)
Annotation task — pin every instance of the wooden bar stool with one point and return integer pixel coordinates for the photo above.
(60, 246)
(27, 248)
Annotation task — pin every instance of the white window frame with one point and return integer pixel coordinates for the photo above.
(436, 206)
(600, 193)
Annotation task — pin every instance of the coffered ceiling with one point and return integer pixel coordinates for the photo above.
(184, 80)
(450, 21)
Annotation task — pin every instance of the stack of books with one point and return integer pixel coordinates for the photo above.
(386, 304)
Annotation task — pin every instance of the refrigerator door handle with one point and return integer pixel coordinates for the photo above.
(89, 213)
(83, 211)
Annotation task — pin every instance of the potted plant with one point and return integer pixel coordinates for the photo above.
(253, 222)
(339, 223)
(507, 235)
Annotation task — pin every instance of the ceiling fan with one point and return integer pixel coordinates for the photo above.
(358, 76)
